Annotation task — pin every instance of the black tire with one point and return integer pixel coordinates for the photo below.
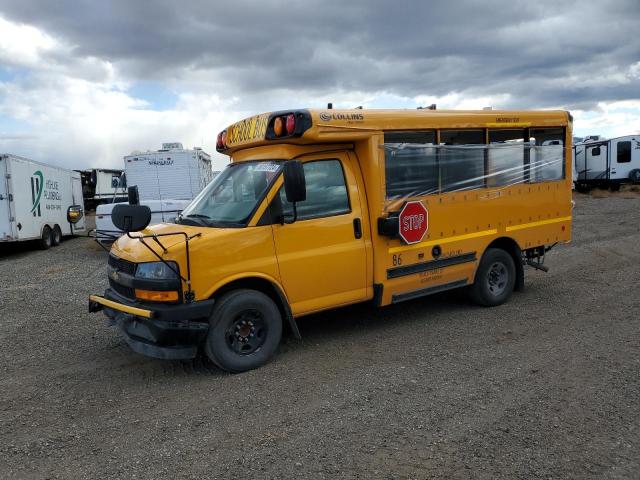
(46, 240)
(245, 331)
(634, 175)
(56, 236)
(495, 278)
(615, 187)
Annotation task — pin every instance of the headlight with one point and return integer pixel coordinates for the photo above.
(157, 270)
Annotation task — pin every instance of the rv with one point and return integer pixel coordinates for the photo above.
(607, 163)
(171, 173)
(100, 185)
(38, 202)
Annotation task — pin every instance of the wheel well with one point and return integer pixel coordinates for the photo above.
(266, 287)
(510, 246)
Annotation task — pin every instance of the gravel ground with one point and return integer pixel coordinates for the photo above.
(546, 386)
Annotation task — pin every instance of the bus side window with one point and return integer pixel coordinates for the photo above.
(411, 167)
(505, 157)
(546, 154)
(462, 165)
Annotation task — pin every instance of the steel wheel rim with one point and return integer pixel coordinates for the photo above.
(247, 332)
(497, 278)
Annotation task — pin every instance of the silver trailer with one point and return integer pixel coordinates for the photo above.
(38, 202)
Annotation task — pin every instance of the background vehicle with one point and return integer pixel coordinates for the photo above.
(38, 201)
(321, 209)
(171, 173)
(167, 181)
(161, 211)
(607, 163)
(100, 185)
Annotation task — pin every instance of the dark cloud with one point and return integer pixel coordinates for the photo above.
(540, 53)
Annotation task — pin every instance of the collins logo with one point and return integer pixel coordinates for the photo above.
(37, 186)
(349, 117)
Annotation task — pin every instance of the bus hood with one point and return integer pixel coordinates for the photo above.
(172, 238)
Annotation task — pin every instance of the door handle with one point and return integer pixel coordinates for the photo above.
(357, 228)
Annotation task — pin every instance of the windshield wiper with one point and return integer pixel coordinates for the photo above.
(197, 215)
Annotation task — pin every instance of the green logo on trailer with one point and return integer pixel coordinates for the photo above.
(37, 186)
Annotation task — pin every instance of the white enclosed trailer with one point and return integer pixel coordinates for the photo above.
(171, 173)
(607, 163)
(38, 201)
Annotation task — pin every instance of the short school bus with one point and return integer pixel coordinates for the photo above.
(324, 208)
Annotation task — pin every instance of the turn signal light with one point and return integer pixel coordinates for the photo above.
(278, 126)
(157, 296)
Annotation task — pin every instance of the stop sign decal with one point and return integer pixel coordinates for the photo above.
(413, 222)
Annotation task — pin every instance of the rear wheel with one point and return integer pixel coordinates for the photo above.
(56, 236)
(615, 187)
(46, 239)
(495, 278)
(245, 331)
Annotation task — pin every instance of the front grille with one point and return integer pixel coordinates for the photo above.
(122, 290)
(125, 267)
(122, 265)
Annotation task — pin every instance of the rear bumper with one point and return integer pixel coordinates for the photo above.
(159, 331)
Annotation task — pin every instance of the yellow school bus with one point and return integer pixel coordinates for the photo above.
(324, 208)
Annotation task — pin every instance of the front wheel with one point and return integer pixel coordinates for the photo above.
(245, 331)
(495, 278)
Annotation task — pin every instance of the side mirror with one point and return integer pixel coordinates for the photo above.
(134, 196)
(295, 186)
(74, 214)
(131, 218)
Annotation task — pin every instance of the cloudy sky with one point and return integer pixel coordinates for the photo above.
(83, 83)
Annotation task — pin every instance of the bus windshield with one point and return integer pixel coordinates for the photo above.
(232, 197)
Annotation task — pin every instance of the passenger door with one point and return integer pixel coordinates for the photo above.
(6, 225)
(321, 256)
(621, 158)
(596, 162)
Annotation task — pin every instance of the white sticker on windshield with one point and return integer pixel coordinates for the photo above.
(266, 167)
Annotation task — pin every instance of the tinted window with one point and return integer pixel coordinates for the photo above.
(462, 166)
(624, 152)
(326, 191)
(411, 166)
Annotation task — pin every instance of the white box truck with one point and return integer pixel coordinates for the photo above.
(38, 202)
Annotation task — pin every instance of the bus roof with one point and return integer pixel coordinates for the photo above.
(334, 126)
